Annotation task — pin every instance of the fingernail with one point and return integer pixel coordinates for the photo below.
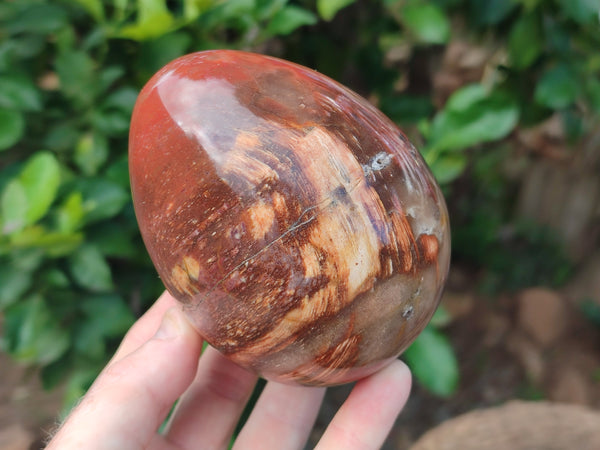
(170, 327)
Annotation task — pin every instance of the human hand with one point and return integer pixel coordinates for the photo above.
(155, 365)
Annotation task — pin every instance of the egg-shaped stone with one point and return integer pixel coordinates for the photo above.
(303, 233)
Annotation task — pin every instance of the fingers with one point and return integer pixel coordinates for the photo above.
(129, 400)
(145, 327)
(369, 412)
(282, 418)
(207, 414)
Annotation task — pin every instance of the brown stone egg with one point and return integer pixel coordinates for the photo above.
(304, 235)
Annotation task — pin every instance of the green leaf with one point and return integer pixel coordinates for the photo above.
(591, 311)
(27, 260)
(77, 73)
(111, 122)
(19, 93)
(53, 243)
(156, 53)
(149, 10)
(593, 93)
(472, 116)
(39, 18)
(90, 270)
(466, 97)
(583, 12)
(529, 5)
(62, 136)
(108, 314)
(91, 153)
(113, 240)
(525, 42)
(448, 167)
(441, 317)
(33, 335)
(154, 20)
(406, 108)
(55, 372)
(12, 128)
(93, 7)
(41, 179)
(70, 214)
(265, 9)
(290, 18)
(193, 8)
(327, 9)
(122, 99)
(490, 12)
(427, 22)
(558, 88)
(88, 341)
(13, 207)
(56, 278)
(433, 362)
(102, 199)
(108, 76)
(118, 172)
(13, 284)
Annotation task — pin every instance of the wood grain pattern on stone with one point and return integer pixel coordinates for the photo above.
(304, 234)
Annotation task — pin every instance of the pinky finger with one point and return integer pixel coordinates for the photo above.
(368, 414)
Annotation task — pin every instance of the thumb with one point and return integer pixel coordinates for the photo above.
(132, 396)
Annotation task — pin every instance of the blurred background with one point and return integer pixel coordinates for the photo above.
(502, 97)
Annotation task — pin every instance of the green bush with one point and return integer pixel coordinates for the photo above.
(73, 270)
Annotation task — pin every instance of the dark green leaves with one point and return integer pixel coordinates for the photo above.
(91, 153)
(490, 12)
(14, 282)
(102, 199)
(32, 334)
(17, 95)
(289, 18)
(90, 270)
(37, 18)
(93, 7)
(558, 87)
(77, 76)
(525, 42)
(18, 92)
(583, 12)
(12, 127)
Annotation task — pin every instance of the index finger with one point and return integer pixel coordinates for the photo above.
(145, 327)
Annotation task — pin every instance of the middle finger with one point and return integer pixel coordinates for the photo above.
(208, 412)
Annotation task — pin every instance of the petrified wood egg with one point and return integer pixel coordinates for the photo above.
(303, 233)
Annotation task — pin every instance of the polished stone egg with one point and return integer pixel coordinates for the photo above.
(303, 233)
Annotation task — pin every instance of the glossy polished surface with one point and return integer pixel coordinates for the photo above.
(304, 234)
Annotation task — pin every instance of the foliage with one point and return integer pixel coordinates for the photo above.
(73, 270)
(431, 357)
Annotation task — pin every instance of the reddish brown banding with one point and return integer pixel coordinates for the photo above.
(294, 220)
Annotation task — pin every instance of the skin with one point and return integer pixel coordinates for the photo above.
(160, 361)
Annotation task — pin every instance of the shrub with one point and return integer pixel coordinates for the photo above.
(73, 270)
